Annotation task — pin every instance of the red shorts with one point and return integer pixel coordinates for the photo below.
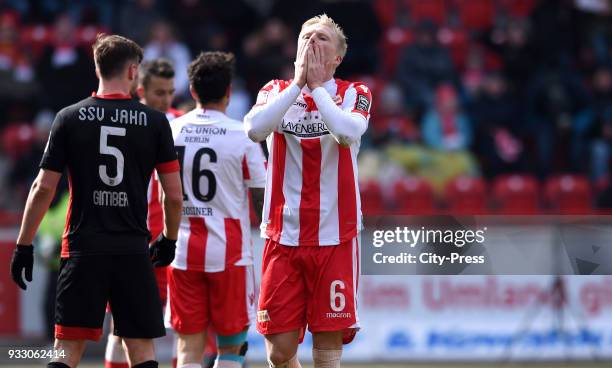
(223, 300)
(309, 286)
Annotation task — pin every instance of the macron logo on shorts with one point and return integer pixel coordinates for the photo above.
(262, 316)
(338, 315)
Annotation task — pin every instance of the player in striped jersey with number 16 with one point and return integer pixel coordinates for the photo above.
(312, 216)
(211, 279)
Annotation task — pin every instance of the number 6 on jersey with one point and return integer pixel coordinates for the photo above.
(337, 301)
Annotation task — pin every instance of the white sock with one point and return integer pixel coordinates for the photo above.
(326, 358)
(291, 363)
(114, 350)
(226, 364)
(191, 365)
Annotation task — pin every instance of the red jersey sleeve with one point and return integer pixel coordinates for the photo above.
(363, 100)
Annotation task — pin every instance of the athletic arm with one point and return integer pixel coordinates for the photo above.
(38, 202)
(172, 202)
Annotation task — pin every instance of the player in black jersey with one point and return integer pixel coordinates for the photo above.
(109, 144)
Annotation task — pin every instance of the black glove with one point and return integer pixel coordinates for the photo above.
(162, 251)
(23, 259)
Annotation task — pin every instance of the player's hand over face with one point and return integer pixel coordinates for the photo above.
(23, 259)
(301, 63)
(162, 251)
(317, 67)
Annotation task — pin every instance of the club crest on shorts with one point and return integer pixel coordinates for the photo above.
(263, 316)
(337, 99)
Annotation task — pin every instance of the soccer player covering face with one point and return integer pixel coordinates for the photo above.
(109, 144)
(312, 215)
(156, 90)
(211, 279)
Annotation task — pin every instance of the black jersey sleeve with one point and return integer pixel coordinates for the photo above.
(166, 154)
(54, 157)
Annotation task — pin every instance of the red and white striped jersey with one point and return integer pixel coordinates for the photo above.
(218, 165)
(312, 193)
(155, 215)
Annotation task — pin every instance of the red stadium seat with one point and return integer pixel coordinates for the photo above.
(413, 196)
(434, 10)
(86, 35)
(371, 198)
(35, 38)
(457, 42)
(602, 184)
(569, 194)
(9, 219)
(476, 14)
(17, 139)
(387, 12)
(517, 8)
(394, 40)
(516, 194)
(466, 195)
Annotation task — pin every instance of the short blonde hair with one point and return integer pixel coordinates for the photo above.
(327, 21)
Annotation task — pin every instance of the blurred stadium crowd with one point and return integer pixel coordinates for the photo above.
(479, 105)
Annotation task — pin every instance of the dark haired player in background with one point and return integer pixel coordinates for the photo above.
(211, 278)
(156, 86)
(156, 90)
(109, 144)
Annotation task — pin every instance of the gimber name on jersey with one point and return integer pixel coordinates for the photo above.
(307, 130)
